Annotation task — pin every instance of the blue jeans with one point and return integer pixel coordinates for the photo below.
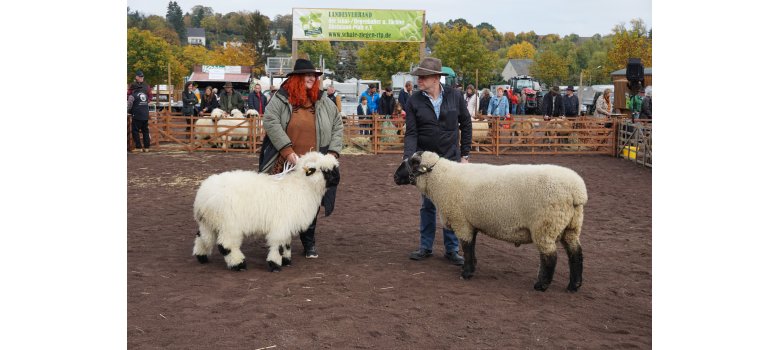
(428, 228)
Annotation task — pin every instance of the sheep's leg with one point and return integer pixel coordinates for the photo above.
(573, 249)
(231, 250)
(287, 255)
(276, 245)
(204, 243)
(546, 270)
(469, 255)
(548, 256)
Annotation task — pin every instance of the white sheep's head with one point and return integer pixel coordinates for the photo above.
(217, 114)
(235, 113)
(252, 113)
(418, 164)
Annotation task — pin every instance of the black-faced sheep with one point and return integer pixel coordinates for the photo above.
(237, 204)
(520, 204)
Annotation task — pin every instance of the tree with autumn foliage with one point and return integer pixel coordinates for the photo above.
(550, 67)
(151, 54)
(522, 50)
(380, 60)
(461, 49)
(628, 43)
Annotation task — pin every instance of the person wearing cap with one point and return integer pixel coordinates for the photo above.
(138, 106)
(434, 115)
(553, 103)
(139, 78)
(301, 118)
(229, 99)
(571, 103)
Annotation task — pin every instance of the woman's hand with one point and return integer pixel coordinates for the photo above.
(292, 158)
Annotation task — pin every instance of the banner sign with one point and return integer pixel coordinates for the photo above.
(358, 25)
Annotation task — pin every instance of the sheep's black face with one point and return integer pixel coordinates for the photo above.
(332, 177)
(408, 171)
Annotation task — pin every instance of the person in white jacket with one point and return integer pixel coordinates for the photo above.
(471, 100)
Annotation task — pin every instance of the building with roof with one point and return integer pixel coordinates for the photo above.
(516, 67)
(196, 36)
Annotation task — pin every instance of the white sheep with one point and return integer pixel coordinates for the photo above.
(520, 204)
(233, 128)
(237, 204)
(205, 128)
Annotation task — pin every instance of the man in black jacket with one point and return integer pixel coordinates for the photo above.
(138, 106)
(553, 104)
(570, 103)
(403, 96)
(387, 102)
(257, 100)
(434, 114)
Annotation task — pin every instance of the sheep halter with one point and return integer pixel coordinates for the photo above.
(288, 167)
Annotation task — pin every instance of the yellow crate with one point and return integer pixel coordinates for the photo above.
(629, 152)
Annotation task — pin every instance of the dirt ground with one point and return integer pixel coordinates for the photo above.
(364, 292)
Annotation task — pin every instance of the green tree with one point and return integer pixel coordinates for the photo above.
(626, 43)
(522, 50)
(151, 54)
(314, 49)
(283, 24)
(134, 18)
(550, 68)
(380, 60)
(258, 37)
(175, 17)
(200, 12)
(485, 25)
(452, 51)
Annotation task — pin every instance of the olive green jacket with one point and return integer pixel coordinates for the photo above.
(277, 115)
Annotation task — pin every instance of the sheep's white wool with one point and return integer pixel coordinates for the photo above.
(236, 204)
(521, 204)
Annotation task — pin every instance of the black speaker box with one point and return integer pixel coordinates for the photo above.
(634, 70)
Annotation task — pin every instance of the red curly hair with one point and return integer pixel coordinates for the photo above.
(297, 93)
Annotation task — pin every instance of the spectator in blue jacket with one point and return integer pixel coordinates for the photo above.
(373, 99)
(499, 105)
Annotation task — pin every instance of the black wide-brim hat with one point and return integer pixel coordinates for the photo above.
(303, 66)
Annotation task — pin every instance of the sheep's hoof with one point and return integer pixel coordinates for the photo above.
(286, 262)
(541, 286)
(573, 287)
(274, 267)
(202, 258)
(466, 275)
(239, 267)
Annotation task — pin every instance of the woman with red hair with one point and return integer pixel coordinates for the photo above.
(300, 118)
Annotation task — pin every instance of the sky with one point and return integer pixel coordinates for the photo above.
(563, 17)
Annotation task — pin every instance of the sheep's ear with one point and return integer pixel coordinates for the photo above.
(310, 171)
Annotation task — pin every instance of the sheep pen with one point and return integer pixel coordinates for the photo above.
(364, 273)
